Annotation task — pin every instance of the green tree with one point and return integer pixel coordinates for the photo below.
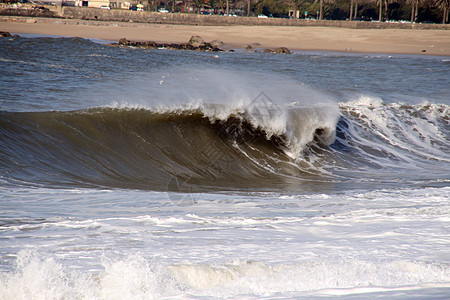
(443, 5)
(380, 11)
(220, 4)
(320, 9)
(277, 8)
(321, 3)
(356, 9)
(294, 4)
(384, 3)
(351, 9)
(414, 9)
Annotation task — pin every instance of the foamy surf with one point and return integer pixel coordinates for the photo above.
(136, 278)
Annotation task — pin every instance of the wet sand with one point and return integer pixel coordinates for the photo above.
(405, 41)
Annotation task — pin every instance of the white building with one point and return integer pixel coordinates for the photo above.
(93, 3)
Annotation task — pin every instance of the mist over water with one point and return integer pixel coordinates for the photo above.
(128, 173)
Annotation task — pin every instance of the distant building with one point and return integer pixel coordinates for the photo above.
(92, 3)
(120, 4)
(128, 4)
(294, 14)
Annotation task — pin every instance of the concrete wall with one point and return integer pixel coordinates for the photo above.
(195, 19)
(84, 13)
(27, 13)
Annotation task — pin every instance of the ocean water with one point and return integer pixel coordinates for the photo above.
(140, 174)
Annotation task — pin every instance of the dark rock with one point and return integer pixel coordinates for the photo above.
(216, 43)
(249, 47)
(282, 50)
(116, 45)
(123, 42)
(196, 41)
(150, 45)
(268, 51)
(5, 34)
(172, 46)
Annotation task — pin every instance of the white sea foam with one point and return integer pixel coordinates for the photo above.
(40, 277)
(297, 245)
(405, 131)
(134, 277)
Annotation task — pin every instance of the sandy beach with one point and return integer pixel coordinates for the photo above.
(404, 41)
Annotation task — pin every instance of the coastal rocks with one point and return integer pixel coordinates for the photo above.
(5, 34)
(216, 43)
(280, 50)
(196, 43)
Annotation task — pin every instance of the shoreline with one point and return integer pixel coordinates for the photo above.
(333, 39)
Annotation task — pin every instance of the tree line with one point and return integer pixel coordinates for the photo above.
(424, 11)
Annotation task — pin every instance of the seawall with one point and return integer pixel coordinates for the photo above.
(83, 13)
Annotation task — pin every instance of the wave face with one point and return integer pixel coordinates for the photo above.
(147, 149)
(217, 147)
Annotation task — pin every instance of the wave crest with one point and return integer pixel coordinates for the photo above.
(211, 146)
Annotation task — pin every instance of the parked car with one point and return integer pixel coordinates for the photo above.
(105, 7)
(262, 16)
(163, 10)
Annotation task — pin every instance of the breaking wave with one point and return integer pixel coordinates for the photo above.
(261, 145)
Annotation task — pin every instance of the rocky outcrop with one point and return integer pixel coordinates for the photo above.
(280, 50)
(5, 34)
(196, 43)
(216, 43)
